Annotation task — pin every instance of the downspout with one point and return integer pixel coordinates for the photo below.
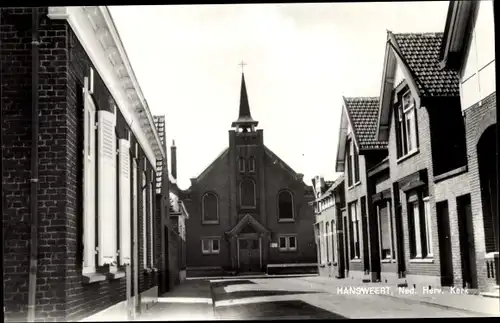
(35, 64)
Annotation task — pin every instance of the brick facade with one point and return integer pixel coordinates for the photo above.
(62, 293)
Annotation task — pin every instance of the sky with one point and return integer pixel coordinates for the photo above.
(301, 59)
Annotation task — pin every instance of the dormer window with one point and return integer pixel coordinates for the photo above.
(407, 125)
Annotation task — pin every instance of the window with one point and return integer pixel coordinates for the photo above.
(352, 163)
(386, 230)
(285, 206)
(420, 227)
(407, 125)
(210, 245)
(251, 165)
(355, 248)
(210, 208)
(144, 221)
(334, 241)
(287, 243)
(247, 193)
(428, 227)
(89, 186)
(327, 233)
(151, 223)
(241, 164)
(318, 241)
(124, 200)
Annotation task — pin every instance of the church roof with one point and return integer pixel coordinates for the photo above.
(245, 116)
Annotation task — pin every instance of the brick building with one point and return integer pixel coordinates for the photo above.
(358, 150)
(431, 195)
(248, 209)
(80, 151)
(328, 228)
(468, 48)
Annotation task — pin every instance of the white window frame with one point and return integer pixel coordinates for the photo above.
(334, 238)
(211, 250)
(408, 132)
(416, 229)
(390, 225)
(203, 209)
(327, 241)
(428, 227)
(144, 222)
(287, 238)
(151, 222)
(355, 230)
(89, 173)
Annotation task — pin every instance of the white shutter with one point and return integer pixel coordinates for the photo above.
(107, 187)
(89, 185)
(151, 224)
(144, 222)
(124, 196)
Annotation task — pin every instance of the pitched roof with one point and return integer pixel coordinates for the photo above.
(363, 113)
(420, 52)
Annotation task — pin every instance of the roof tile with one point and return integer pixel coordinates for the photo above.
(363, 112)
(421, 54)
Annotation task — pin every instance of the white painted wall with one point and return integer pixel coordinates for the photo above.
(478, 75)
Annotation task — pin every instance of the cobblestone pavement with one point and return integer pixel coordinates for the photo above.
(301, 298)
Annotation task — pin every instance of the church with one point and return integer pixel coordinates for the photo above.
(248, 209)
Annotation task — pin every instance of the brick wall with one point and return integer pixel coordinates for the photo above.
(477, 119)
(61, 293)
(399, 169)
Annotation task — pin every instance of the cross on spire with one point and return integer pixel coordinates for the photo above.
(242, 64)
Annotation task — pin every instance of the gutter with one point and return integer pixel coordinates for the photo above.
(35, 65)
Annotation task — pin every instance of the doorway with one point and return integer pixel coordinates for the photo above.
(444, 241)
(466, 238)
(249, 254)
(166, 282)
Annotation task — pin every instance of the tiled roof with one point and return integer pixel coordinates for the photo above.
(363, 112)
(421, 54)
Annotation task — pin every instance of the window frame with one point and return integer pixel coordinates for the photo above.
(144, 218)
(210, 250)
(287, 238)
(424, 222)
(251, 165)
(390, 223)
(407, 124)
(241, 165)
(90, 216)
(292, 219)
(203, 220)
(247, 179)
(355, 253)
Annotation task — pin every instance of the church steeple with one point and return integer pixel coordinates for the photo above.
(245, 121)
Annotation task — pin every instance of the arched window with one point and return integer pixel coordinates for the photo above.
(210, 208)
(241, 164)
(285, 206)
(247, 193)
(251, 165)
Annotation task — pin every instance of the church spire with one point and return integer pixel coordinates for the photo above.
(245, 118)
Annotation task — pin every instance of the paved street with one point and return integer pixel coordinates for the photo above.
(300, 298)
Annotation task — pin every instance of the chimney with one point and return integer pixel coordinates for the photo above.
(173, 160)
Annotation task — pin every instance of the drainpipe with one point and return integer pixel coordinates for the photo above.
(34, 167)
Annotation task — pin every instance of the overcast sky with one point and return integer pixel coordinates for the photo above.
(301, 59)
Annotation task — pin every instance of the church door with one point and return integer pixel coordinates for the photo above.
(249, 255)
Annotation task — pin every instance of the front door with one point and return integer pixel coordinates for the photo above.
(466, 238)
(249, 255)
